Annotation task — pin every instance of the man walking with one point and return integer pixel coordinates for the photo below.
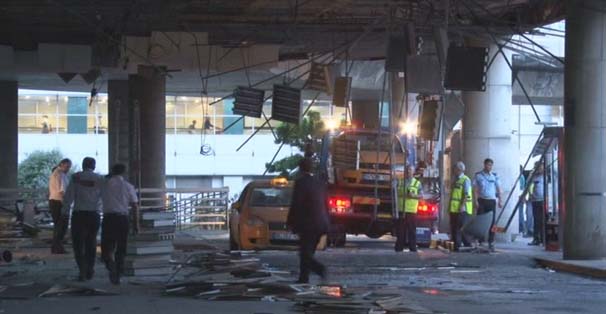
(308, 217)
(118, 196)
(461, 206)
(537, 197)
(57, 185)
(408, 200)
(84, 192)
(487, 188)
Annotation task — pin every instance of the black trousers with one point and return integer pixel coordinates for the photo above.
(407, 232)
(538, 215)
(487, 206)
(457, 221)
(60, 223)
(307, 248)
(114, 235)
(85, 226)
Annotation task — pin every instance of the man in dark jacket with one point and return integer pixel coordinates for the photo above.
(308, 217)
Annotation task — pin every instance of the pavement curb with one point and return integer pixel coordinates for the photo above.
(569, 267)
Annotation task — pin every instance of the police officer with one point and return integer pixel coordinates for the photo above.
(461, 206)
(537, 197)
(409, 190)
(118, 196)
(84, 192)
(487, 188)
(57, 185)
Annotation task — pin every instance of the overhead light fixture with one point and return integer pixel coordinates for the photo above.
(408, 128)
(248, 101)
(91, 76)
(66, 77)
(286, 104)
(331, 124)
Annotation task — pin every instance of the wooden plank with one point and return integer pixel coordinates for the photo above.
(572, 268)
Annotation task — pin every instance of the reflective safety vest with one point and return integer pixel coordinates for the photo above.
(457, 196)
(411, 204)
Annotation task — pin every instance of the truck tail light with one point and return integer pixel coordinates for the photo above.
(339, 204)
(425, 208)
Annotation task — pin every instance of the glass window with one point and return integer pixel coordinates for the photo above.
(180, 112)
(61, 116)
(225, 118)
(97, 115)
(170, 114)
(271, 197)
(29, 121)
(47, 112)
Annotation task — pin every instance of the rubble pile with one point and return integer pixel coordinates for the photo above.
(12, 232)
(237, 276)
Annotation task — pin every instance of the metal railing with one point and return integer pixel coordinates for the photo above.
(193, 208)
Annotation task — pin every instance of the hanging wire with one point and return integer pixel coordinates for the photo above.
(98, 31)
(514, 73)
(205, 148)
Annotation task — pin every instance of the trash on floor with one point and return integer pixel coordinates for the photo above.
(238, 276)
(69, 290)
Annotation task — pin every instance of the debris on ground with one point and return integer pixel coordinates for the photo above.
(236, 276)
(60, 290)
(22, 291)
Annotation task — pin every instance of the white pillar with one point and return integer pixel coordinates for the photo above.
(487, 132)
(585, 131)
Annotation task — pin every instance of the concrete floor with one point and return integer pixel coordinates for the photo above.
(505, 282)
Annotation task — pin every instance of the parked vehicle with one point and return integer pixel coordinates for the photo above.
(357, 165)
(257, 220)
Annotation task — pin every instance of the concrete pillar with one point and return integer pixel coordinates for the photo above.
(147, 93)
(585, 131)
(120, 123)
(9, 132)
(487, 131)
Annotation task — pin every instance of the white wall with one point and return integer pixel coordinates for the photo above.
(527, 131)
(182, 152)
(73, 146)
(183, 155)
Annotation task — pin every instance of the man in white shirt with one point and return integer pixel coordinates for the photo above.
(84, 192)
(57, 185)
(118, 196)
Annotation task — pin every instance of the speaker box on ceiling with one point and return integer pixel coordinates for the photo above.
(340, 96)
(429, 120)
(248, 101)
(319, 78)
(286, 104)
(399, 47)
(423, 75)
(466, 68)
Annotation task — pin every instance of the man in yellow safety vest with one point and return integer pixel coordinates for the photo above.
(461, 206)
(409, 193)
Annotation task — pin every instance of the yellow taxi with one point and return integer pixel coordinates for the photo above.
(258, 219)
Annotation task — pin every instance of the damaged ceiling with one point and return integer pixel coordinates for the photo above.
(195, 39)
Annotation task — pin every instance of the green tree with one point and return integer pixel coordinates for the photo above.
(35, 170)
(308, 131)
